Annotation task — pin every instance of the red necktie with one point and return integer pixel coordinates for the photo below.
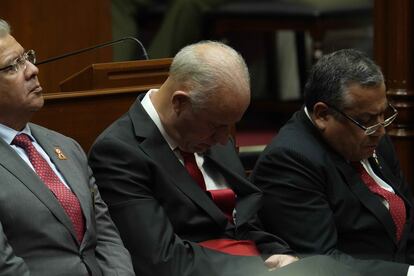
(225, 199)
(396, 204)
(66, 198)
(192, 168)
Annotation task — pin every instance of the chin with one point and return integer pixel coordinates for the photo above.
(370, 152)
(366, 156)
(36, 107)
(199, 148)
(40, 102)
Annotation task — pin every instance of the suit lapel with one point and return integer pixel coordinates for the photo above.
(366, 197)
(70, 173)
(248, 195)
(16, 166)
(154, 145)
(382, 170)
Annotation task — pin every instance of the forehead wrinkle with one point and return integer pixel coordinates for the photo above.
(381, 110)
(9, 52)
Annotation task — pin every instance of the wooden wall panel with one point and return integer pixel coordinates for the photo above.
(84, 115)
(54, 27)
(393, 47)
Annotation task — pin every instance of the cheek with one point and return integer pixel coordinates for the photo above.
(200, 136)
(358, 147)
(6, 93)
(12, 89)
(358, 138)
(341, 140)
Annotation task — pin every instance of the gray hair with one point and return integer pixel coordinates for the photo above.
(334, 73)
(4, 28)
(207, 67)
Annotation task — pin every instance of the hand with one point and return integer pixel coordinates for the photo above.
(279, 260)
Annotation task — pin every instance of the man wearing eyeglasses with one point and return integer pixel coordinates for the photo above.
(331, 179)
(52, 218)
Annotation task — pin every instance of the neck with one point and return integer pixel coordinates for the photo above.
(161, 102)
(16, 125)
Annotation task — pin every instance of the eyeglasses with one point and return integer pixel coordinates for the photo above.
(20, 62)
(371, 129)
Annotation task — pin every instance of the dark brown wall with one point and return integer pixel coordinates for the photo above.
(393, 46)
(53, 27)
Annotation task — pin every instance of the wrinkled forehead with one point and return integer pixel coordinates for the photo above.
(10, 49)
(366, 98)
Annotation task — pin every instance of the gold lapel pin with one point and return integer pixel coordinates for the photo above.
(60, 154)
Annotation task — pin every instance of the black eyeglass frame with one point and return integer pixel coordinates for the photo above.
(29, 56)
(371, 129)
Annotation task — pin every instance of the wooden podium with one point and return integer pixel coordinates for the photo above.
(90, 100)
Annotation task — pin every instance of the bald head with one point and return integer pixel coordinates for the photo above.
(206, 93)
(209, 70)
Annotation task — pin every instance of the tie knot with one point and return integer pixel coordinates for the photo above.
(22, 140)
(187, 156)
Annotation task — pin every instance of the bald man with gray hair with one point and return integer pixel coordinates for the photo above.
(174, 184)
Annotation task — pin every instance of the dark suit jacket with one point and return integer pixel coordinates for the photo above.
(160, 210)
(316, 201)
(36, 235)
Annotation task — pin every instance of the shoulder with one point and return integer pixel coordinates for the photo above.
(52, 135)
(298, 138)
(297, 154)
(119, 135)
(40, 129)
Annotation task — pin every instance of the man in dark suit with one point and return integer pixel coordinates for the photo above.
(173, 181)
(52, 218)
(331, 180)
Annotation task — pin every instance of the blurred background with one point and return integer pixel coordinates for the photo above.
(280, 40)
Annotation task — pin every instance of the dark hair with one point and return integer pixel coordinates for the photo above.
(334, 73)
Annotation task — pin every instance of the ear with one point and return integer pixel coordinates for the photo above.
(180, 100)
(320, 115)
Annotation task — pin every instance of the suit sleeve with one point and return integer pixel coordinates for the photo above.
(112, 256)
(296, 208)
(10, 264)
(125, 176)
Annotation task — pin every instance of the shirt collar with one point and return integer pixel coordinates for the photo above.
(8, 134)
(152, 112)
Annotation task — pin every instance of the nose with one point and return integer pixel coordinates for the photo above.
(31, 70)
(379, 132)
